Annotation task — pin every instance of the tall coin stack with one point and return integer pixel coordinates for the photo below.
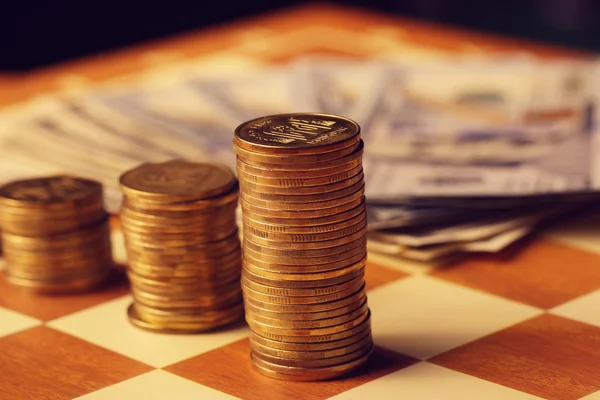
(304, 247)
(183, 246)
(55, 234)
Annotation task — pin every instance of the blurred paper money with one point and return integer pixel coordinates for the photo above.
(467, 155)
(484, 233)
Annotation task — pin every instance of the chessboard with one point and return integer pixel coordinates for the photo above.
(522, 324)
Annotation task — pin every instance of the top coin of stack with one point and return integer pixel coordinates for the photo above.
(304, 247)
(55, 234)
(182, 241)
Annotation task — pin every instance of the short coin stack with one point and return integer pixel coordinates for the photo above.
(55, 234)
(304, 249)
(183, 246)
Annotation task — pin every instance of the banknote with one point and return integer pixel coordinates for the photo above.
(175, 109)
(480, 129)
(486, 239)
(382, 216)
(468, 229)
(336, 86)
(491, 244)
(249, 96)
(488, 235)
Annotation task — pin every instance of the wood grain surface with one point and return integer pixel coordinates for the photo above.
(511, 357)
(47, 364)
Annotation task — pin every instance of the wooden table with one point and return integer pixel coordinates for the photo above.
(512, 327)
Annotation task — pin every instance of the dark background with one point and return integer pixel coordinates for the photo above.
(34, 33)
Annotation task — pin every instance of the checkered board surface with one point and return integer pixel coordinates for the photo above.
(523, 325)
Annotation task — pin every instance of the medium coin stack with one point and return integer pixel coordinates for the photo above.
(55, 234)
(183, 246)
(304, 246)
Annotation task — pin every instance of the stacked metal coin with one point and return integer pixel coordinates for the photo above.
(183, 246)
(304, 247)
(55, 234)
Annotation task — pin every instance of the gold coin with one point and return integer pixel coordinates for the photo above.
(215, 248)
(213, 265)
(200, 302)
(313, 264)
(301, 283)
(309, 205)
(314, 335)
(152, 252)
(55, 266)
(268, 330)
(206, 287)
(250, 157)
(183, 328)
(301, 213)
(308, 375)
(181, 208)
(50, 193)
(317, 363)
(281, 229)
(324, 298)
(66, 254)
(313, 276)
(210, 209)
(188, 312)
(188, 320)
(300, 166)
(215, 317)
(85, 216)
(58, 271)
(302, 198)
(199, 282)
(55, 270)
(298, 133)
(315, 224)
(306, 269)
(282, 277)
(209, 289)
(177, 181)
(48, 227)
(71, 239)
(211, 272)
(87, 207)
(306, 308)
(310, 347)
(351, 163)
(281, 254)
(306, 355)
(306, 324)
(222, 297)
(194, 226)
(300, 292)
(75, 285)
(303, 190)
(248, 234)
(270, 236)
(176, 257)
(178, 239)
(306, 316)
(297, 182)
